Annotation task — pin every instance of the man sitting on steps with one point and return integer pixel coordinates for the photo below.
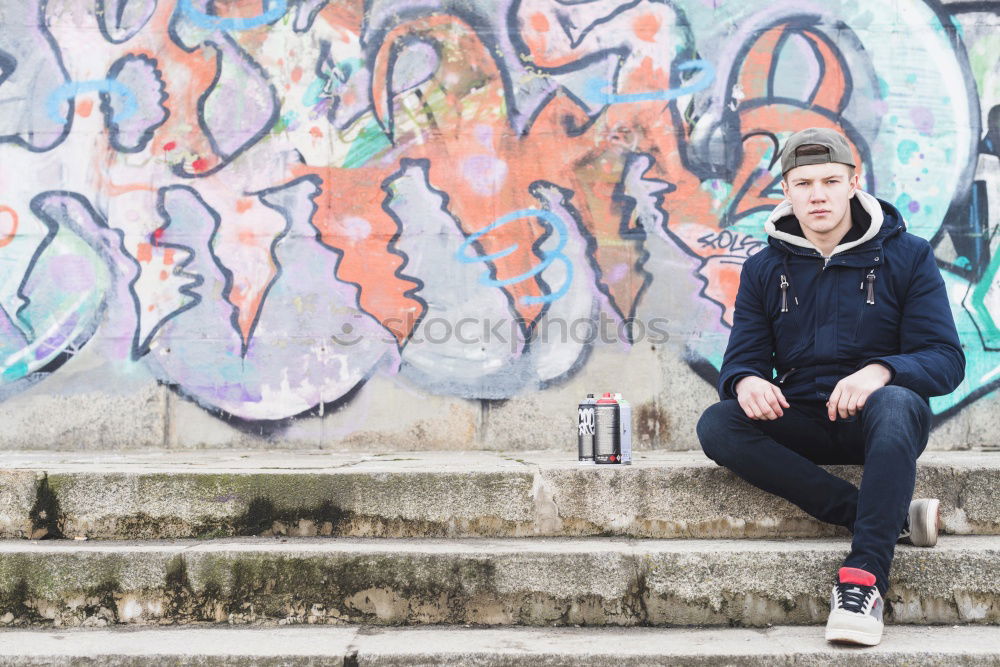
(851, 312)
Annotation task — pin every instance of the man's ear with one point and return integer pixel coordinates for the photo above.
(784, 187)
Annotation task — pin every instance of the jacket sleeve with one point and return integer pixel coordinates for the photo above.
(751, 342)
(930, 360)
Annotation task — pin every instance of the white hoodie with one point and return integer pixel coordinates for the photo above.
(867, 201)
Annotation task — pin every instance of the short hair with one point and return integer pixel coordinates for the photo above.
(816, 149)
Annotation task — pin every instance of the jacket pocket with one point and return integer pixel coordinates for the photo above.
(784, 376)
(860, 324)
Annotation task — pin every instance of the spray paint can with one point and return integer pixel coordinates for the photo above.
(607, 442)
(624, 430)
(585, 429)
(613, 430)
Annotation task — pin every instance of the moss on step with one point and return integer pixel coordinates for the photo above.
(15, 606)
(262, 517)
(46, 518)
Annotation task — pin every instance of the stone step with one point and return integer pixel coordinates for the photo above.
(519, 581)
(437, 494)
(352, 646)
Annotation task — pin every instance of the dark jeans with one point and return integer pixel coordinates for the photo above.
(782, 456)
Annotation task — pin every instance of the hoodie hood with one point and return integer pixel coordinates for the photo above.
(871, 217)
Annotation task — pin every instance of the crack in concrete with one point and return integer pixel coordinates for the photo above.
(547, 519)
(638, 588)
(353, 648)
(517, 460)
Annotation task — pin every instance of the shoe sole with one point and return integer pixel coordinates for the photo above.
(853, 637)
(850, 628)
(929, 517)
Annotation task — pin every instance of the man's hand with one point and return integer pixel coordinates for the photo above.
(759, 398)
(850, 394)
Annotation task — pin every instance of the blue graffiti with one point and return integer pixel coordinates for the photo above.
(275, 10)
(597, 93)
(71, 89)
(547, 259)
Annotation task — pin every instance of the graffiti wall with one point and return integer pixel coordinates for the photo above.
(262, 209)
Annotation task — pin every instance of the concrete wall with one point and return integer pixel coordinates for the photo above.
(426, 224)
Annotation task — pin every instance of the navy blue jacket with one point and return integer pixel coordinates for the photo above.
(804, 321)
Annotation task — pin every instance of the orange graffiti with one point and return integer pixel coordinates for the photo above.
(365, 261)
(84, 107)
(646, 26)
(248, 248)
(240, 8)
(593, 168)
(539, 22)
(144, 253)
(544, 151)
(594, 164)
(191, 74)
(8, 225)
(116, 189)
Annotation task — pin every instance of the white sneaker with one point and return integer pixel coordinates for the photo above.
(855, 609)
(922, 523)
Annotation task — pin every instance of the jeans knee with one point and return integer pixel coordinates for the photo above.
(895, 400)
(714, 430)
(894, 410)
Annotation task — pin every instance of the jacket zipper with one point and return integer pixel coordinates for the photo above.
(784, 376)
(826, 260)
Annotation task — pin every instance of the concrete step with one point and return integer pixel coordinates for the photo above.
(496, 647)
(438, 494)
(526, 581)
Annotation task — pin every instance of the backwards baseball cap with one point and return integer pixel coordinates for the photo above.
(837, 148)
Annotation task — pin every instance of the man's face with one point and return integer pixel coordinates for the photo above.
(820, 195)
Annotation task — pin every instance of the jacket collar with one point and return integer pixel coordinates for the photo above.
(866, 214)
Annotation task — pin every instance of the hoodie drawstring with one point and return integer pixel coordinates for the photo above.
(784, 285)
(869, 281)
(867, 286)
